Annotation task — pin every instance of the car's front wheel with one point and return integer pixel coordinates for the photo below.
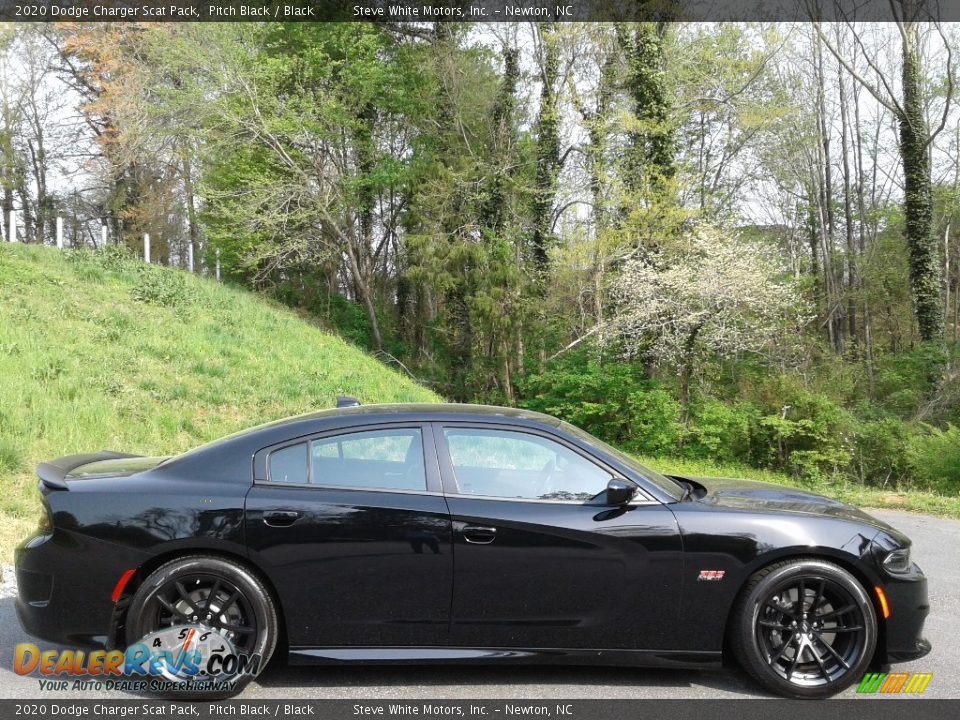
(804, 628)
(220, 599)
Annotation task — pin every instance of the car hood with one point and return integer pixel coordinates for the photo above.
(740, 494)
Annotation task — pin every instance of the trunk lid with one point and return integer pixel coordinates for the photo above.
(57, 474)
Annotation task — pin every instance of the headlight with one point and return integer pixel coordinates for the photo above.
(897, 561)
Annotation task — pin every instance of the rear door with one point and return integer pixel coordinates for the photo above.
(538, 565)
(354, 531)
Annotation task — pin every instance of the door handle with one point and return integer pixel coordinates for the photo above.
(477, 535)
(280, 518)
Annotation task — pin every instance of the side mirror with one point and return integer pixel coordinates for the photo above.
(620, 491)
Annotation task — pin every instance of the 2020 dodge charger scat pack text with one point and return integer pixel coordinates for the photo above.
(466, 534)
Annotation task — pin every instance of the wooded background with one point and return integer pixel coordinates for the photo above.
(728, 242)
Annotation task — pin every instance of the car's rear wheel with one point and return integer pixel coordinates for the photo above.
(214, 594)
(804, 628)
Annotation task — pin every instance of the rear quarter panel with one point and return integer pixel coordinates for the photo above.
(105, 526)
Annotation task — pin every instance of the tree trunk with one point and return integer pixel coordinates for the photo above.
(827, 224)
(8, 163)
(26, 208)
(361, 283)
(650, 151)
(38, 164)
(193, 234)
(686, 372)
(596, 125)
(548, 151)
(926, 281)
(850, 264)
(862, 245)
(455, 296)
(504, 141)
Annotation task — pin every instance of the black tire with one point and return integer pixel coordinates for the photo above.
(812, 649)
(252, 608)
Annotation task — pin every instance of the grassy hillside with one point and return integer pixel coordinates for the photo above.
(101, 351)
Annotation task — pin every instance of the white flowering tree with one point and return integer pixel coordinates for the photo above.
(712, 293)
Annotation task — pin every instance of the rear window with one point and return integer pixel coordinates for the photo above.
(390, 459)
(378, 459)
(289, 464)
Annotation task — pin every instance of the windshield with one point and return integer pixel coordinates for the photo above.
(670, 487)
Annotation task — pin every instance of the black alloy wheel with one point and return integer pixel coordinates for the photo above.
(213, 593)
(207, 600)
(804, 628)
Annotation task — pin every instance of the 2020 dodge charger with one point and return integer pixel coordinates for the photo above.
(463, 533)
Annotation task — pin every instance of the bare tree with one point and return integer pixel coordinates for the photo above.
(916, 137)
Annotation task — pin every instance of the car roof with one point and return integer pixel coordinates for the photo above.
(420, 411)
(334, 418)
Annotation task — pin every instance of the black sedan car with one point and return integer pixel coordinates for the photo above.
(464, 533)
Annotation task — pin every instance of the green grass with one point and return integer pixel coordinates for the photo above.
(859, 495)
(101, 351)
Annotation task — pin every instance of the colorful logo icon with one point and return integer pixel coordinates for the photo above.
(902, 683)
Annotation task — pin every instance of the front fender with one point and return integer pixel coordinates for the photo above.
(735, 544)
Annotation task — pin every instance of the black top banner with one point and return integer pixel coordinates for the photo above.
(424, 11)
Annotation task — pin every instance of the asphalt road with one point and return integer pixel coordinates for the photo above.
(936, 550)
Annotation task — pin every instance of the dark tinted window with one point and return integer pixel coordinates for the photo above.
(289, 464)
(503, 463)
(382, 459)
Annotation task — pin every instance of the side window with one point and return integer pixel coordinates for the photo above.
(382, 459)
(508, 464)
(289, 464)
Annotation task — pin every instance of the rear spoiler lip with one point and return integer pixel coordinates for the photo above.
(53, 473)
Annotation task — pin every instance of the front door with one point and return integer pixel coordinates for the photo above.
(540, 566)
(354, 532)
